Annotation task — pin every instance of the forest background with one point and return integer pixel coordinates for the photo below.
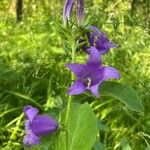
(32, 58)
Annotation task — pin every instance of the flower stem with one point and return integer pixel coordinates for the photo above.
(69, 100)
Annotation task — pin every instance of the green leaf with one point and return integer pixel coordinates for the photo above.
(47, 142)
(147, 148)
(82, 127)
(123, 93)
(99, 146)
(125, 145)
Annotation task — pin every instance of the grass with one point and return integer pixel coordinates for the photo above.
(32, 59)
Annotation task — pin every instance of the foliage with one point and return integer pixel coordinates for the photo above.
(32, 59)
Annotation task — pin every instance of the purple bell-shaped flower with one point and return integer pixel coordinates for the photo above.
(37, 126)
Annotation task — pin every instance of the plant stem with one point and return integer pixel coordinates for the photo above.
(15, 130)
(69, 99)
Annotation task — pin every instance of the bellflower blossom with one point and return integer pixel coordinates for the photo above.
(68, 8)
(99, 40)
(37, 126)
(90, 75)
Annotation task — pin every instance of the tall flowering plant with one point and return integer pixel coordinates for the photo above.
(77, 126)
(91, 74)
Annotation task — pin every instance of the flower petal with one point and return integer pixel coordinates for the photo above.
(99, 40)
(103, 44)
(68, 9)
(91, 38)
(94, 89)
(92, 71)
(30, 112)
(95, 29)
(109, 73)
(77, 88)
(43, 125)
(94, 56)
(80, 11)
(76, 68)
(27, 126)
(31, 139)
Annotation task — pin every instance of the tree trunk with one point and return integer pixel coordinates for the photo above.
(19, 10)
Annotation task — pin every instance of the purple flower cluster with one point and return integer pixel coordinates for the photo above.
(93, 73)
(37, 126)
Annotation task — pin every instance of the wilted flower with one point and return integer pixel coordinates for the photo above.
(68, 9)
(99, 40)
(37, 126)
(80, 11)
(67, 12)
(90, 75)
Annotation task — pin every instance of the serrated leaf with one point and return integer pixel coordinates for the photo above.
(123, 93)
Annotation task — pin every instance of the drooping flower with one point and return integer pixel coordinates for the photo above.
(80, 11)
(68, 8)
(91, 75)
(99, 40)
(37, 126)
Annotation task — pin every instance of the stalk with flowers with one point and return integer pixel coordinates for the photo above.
(77, 127)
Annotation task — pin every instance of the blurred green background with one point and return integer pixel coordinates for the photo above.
(32, 58)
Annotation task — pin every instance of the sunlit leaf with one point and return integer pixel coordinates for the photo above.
(123, 93)
(82, 127)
